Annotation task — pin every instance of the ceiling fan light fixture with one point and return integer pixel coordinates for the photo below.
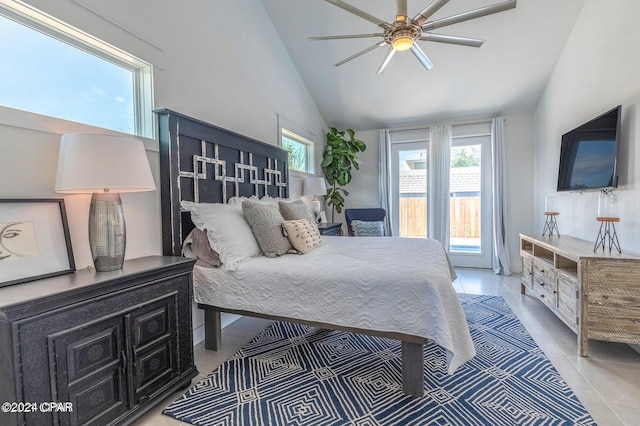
(404, 33)
(402, 41)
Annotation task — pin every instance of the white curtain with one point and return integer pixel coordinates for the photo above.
(499, 187)
(440, 153)
(384, 178)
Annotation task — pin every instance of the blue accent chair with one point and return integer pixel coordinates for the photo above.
(367, 215)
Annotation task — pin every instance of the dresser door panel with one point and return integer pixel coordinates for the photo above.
(90, 371)
(153, 347)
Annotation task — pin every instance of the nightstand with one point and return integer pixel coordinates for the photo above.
(330, 228)
(113, 344)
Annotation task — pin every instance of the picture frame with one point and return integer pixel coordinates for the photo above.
(34, 240)
(323, 217)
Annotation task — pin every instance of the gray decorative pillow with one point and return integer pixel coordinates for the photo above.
(303, 234)
(363, 228)
(266, 223)
(295, 210)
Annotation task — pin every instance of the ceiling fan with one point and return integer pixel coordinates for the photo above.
(404, 33)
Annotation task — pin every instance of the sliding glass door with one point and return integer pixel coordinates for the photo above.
(409, 192)
(469, 201)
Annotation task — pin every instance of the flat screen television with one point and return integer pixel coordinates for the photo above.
(589, 153)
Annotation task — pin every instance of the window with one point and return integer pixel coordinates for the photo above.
(300, 145)
(300, 151)
(53, 69)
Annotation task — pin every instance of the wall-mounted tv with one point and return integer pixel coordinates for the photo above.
(589, 153)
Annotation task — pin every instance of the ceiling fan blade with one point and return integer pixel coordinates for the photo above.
(472, 14)
(428, 11)
(441, 38)
(386, 61)
(421, 56)
(340, 37)
(360, 13)
(362, 52)
(401, 15)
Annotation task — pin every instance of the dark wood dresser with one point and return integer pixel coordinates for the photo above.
(112, 344)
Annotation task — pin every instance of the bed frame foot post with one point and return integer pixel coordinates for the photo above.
(212, 330)
(412, 369)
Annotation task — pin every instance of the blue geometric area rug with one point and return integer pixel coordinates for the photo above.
(299, 375)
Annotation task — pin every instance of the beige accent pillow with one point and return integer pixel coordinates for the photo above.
(303, 234)
(295, 210)
(266, 223)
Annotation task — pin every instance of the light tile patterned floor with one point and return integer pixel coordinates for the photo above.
(607, 382)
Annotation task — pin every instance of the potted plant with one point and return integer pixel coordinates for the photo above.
(338, 159)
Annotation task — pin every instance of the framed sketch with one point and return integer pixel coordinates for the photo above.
(323, 217)
(34, 240)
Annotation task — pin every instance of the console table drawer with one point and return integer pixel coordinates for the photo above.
(549, 299)
(545, 269)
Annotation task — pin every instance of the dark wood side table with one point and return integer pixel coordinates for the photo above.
(112, 344)
(330, 228)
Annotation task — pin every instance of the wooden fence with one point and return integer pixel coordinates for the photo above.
(464, 217)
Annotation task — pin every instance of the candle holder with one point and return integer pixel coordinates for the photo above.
(550, 211)
(551, 225)
(607, 216)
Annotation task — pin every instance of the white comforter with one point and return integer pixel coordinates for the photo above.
(386, 284)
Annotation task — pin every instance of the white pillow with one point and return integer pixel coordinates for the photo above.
(239, 200)
(229, 232)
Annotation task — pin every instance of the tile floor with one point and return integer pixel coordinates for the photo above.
(607, 382)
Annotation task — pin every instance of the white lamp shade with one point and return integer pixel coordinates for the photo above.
(99, 163)
(314, 186)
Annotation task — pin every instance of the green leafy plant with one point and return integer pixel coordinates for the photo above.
(338, 159)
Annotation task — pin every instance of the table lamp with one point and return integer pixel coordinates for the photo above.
(104, 165)
(314, 186)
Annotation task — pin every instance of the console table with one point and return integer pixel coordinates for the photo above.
(596, 294)
(108, 344)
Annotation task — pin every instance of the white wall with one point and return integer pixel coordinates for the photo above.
(597, 70)
(204, 66)
(363, 190)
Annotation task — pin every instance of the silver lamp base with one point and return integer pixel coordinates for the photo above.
(107, 231)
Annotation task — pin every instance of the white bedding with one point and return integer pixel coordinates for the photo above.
(398, 285)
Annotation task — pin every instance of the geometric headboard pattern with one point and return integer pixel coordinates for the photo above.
(204, 163)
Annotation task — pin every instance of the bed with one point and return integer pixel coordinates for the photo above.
(362, 285)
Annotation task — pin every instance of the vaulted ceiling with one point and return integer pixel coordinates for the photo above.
(507, 75)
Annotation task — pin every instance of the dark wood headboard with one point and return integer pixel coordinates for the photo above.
(204, 163)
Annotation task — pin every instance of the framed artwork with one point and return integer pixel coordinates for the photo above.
(34, 240)
(323, 217)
